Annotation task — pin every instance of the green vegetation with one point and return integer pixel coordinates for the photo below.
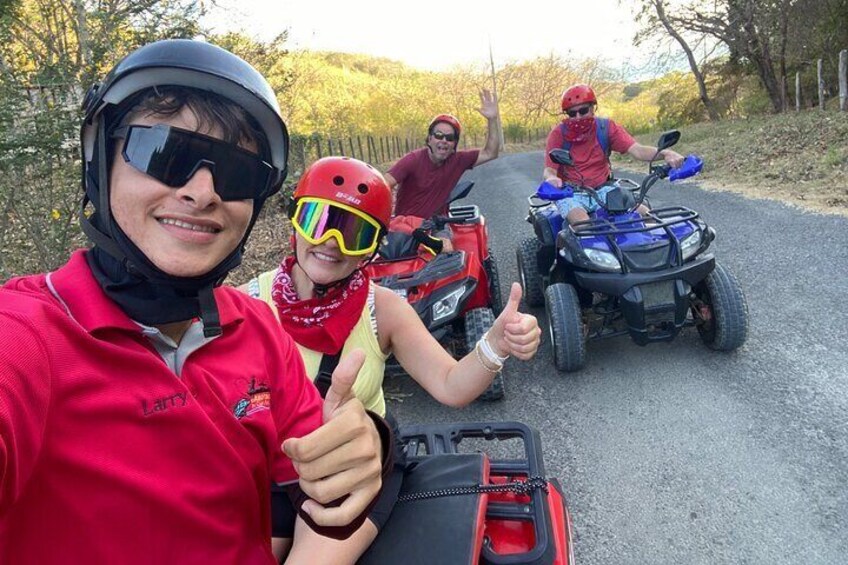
(798, 158)
(50, 51)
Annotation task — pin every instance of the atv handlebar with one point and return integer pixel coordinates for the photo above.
(692, 165)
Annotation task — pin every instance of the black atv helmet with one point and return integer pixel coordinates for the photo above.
(178, 63)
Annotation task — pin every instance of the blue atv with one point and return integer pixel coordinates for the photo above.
(622, 273)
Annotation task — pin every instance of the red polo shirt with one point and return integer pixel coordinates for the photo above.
(107, 456)
(589, 158)
(424, 185)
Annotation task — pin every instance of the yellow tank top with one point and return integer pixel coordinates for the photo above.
(368, 387)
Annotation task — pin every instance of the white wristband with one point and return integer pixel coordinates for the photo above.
(489, 352)
(495, 368)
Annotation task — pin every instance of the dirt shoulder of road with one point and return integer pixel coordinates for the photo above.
(800, 159)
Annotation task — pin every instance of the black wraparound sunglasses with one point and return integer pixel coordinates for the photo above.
(172, 156)
(581, 111)
(446, 136)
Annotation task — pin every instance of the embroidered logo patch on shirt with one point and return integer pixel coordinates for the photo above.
(257, 397)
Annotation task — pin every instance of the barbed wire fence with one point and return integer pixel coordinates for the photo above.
(824, 92)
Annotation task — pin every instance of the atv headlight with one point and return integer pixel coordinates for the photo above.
(603, 260)
(690, 244)
(446, 306)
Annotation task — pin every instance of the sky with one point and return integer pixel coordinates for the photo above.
(439, 35)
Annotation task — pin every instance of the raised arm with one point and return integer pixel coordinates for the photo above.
(453, 383)
(489, 110)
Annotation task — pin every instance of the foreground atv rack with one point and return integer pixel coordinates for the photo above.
(521, 528)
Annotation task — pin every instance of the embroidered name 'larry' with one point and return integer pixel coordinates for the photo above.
(258, 397)
(155, 405)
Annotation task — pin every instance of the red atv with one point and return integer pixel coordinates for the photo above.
(461, 504)
(456, 294)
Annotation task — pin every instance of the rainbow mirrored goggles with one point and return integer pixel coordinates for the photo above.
(317, 220)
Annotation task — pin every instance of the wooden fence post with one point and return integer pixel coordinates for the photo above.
(368, 142)
(361, 154)
(798, 92)
(382, 151)
(318, 145)
(843, 80)
(821, 84)
(352, 150)
(783, 94)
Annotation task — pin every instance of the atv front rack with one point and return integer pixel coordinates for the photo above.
(656, 219)
(646, 256)
(442, 266)
(468, 213)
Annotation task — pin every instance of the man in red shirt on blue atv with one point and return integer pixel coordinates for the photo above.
(590, 140)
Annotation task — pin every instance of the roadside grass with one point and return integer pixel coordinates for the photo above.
(800, 159)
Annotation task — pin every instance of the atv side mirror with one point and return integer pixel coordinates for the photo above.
(561, 157)
(668, 139)
(461, 190)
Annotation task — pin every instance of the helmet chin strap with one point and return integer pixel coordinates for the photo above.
(141, 289)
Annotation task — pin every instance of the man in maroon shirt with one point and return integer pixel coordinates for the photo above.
(590, 140)
(422, 179)
(145, 410)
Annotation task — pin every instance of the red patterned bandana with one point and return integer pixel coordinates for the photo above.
(320, 324)
(578, 129)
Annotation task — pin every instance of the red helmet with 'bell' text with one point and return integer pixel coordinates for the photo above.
(348, 181)
(578, 94)
(452, 121)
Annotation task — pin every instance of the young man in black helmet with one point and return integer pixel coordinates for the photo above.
(144, 409)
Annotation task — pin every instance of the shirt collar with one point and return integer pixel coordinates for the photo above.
(75, 287)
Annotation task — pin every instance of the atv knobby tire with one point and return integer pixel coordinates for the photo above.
(565, 327)
(727, 327)
(495, 296)
(528, 273)
(477, 322)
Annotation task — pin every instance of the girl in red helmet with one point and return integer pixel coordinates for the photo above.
(590, 140)
(339, 212)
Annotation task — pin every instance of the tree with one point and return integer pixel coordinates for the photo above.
(50, 51)
(647, 16)
(771, 38)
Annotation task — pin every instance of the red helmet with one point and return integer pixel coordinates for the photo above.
(578, 94)
(448, 119)
(350, 182)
